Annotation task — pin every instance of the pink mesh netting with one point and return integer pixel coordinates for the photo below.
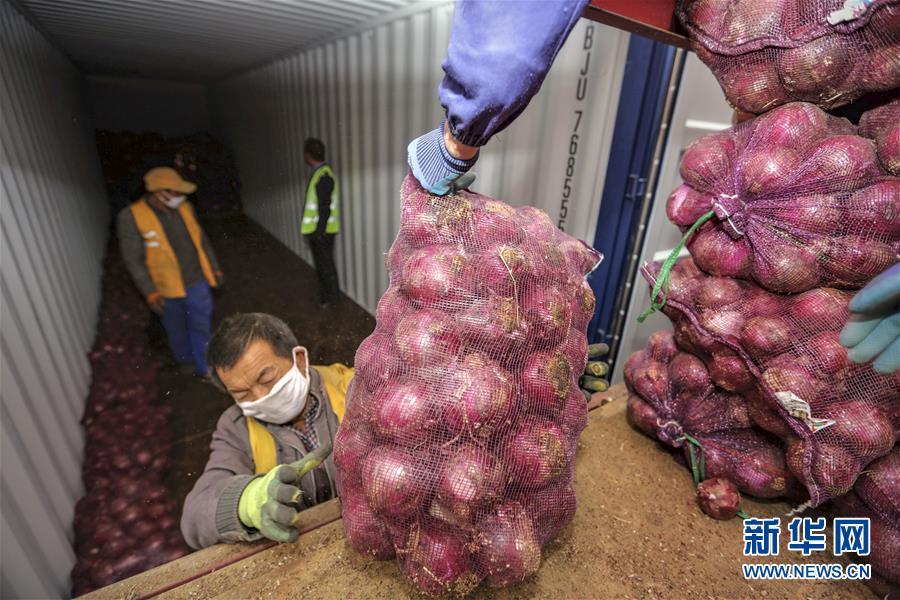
(456, 452)
(783, 354)
(793, 200)
(769, 52)
(673, 399)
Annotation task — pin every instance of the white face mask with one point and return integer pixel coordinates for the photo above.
(286, 399)
(173, 202)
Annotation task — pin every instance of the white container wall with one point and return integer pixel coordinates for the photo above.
(54, 228)
(368, 93)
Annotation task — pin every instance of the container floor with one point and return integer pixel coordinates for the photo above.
(637, 534)
(261, 275)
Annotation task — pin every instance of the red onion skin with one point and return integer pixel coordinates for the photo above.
(470, 478)
(546, 379)
(685, 205)
(708, 161)
(661, 345)
(438, 561)
(754, 88)
(483, 398)
(392, 481)
(888, 147)
(718, 498)
(392, 307)
(718, 292)
(766, 416)
(549, 311)
(863, 427)
(723, 323)
(509, 548)
(351, 446)
(426, 338)
(786, 268)
(718, 254)
(763, 337)
(791, 377)
(793, 125)
(764, 170)
(839, 159)
(762, 473)
(497, 327)
(573, 418)
(641, 415)
(496, 221)
(551, 509)
(817, 215)
(583, 305)
(823, 354)
(536, 453)
(834, 469)
(853, 260)
(427, 221)
(688, 374)
(404, 413)
(437, 274)
(363, 529)
(651, 381)
(816, 68)
(820, 309)
(501, 269)
(730, 373)
(876, 208)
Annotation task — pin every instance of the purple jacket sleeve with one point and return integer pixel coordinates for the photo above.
(498, 56)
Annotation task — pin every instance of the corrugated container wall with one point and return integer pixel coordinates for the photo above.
(54, 227)
(368, 93)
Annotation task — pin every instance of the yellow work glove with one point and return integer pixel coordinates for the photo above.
(269, 502)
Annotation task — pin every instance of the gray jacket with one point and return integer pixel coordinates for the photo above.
(210, 511)
(131, 243)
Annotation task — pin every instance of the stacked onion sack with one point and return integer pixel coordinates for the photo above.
(125, 523)
(787, 215)
(882, 124)
(673, 399)
(876, 496)
(456, 453)
(769, 52)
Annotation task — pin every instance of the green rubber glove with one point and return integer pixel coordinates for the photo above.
(594, 378)
(269, 502)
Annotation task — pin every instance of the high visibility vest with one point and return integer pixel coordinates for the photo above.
(336, 378)
(311, 210)
(158, 254)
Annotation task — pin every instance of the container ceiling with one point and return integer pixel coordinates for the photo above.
(193, 40)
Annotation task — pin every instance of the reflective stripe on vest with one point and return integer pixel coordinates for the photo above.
(336, 378)
(311, 209)
(162, 264)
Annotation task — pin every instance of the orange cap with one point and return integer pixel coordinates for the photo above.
(167, 178)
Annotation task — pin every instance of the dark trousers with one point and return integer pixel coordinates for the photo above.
(323, 257)
(187, 322)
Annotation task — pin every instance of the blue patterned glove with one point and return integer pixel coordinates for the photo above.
(873, 330)
(436, 169)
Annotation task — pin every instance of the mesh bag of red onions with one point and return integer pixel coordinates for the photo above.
(783, 354)
(793, 200)
(876, 495)
(882, 124)
(768, 52)
(672, 398)
(456, 452)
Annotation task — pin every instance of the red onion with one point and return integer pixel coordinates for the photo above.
(708, 161)
(583, 306)
(839, 159)
(551, 509)
(661, 345)
(546, 378)
(685, 205)
(717, 292)
(723, 323)
(786, 268)
(429, 220)
(688, 374)
(718, 498)
(730, 373)
(793, 125)
(509, 550)
(536, 453)
(438, 561)
(766, 336)
(854, 260)
(438, 274)
(641, 415)
(496, 221)
(482, 396)
(862, 427)
(470, 478)
(497, 327)
(764, 170)
(834, 469)
(362, 527)
(351, 445)
(820, 309)
(818, 67)
(392, 481)
(718, 254)
(549, 312)
(404, 412)
(766, 416)
(753, 88)
(876, 208)
(651, 381)
(426, 338)
(573, 418)
(392, 307)
(502, 268)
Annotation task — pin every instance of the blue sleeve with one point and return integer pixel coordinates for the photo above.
(498, 56)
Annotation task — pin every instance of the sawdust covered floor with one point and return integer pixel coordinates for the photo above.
(261, 275)
(637, 534)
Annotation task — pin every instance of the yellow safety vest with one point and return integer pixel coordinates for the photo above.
(158, 254)
(336, 378)
(311, 210)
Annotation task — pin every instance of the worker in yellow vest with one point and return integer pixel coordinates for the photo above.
(172, 263)
(269, 454)
(322, 220)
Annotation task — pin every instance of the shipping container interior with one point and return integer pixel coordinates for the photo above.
(95, 93)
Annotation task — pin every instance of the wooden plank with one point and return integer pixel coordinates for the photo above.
(654, 19)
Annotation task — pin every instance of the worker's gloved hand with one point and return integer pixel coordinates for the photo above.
(437, 170)
(269, 502)
(594, 378)
(156, 302)
(873, 330)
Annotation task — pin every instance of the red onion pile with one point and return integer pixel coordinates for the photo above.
(456, 452)
(673, 399)
(769, 52)
(882, 124)
(782, 354)
(125, 523)
(798, 201)
(876, 495)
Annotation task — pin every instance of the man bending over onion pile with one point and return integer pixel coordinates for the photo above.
(270, 453)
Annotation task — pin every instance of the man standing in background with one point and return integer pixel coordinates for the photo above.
(322, 220)
(172, 263)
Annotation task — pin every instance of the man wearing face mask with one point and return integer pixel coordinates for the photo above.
(172, 263)
(256, 480)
